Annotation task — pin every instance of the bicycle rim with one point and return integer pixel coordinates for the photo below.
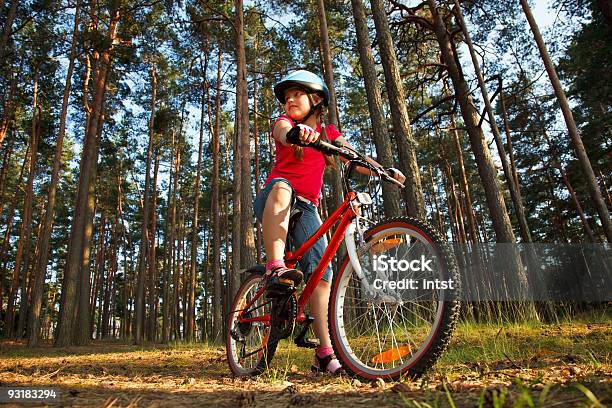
(384, 329)
(249, 349)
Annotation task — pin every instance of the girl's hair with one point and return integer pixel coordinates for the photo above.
(298, 151)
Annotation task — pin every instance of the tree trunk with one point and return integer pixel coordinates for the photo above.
(214, 205)
(6, 162)
(463, 181)
(434, 190)
(380, 133)
(88, 168)
(26, 281)
(517, 200)
(8, 112)
(333, 118)
(144, 231)
(258, 236)
(152, 320)
(8, 28)
(25, 230)
(486, 167)
(183, 271)
(507, 257)
(173, 237)
(574, 134)
(82, 336)
(108, 288)
(7, 236)
(502, 103)
(167, 293)
(555, 162)
(196, 209)
(413, 193)
(245, 213)
(100, 281)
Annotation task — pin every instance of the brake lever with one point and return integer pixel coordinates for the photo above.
(394, 181)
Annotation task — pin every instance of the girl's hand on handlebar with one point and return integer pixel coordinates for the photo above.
(396, 174)
(302, 135)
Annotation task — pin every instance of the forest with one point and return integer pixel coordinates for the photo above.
(134, 136)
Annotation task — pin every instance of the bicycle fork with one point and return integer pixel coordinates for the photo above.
(352, 250)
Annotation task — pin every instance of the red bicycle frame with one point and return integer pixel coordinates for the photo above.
(345, 214)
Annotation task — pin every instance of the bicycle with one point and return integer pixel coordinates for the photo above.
(379, 327)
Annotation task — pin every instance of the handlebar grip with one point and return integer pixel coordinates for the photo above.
(325, 147)
(293, 136)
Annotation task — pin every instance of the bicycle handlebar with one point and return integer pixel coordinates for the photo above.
(337, 149)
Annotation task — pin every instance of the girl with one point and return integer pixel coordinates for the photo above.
(298, 171)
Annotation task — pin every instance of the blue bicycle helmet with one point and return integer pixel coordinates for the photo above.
(310, 82)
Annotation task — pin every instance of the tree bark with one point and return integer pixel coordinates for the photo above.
(196, 209)
(556, 164)
(8, 112)
(152, 293)
(332, 110)
(6, 162)
(463, 181)
(245, 214)
(517, 200)
(486, 168)
(82, 336)
(8, 29)
(25, 230)
(258, 236)
(175, 268)
(144, 232)
(413, 193)
(7, 235)
(167, 293)
(88, 168)
(214, 205)
(574, 134)
(391, 197)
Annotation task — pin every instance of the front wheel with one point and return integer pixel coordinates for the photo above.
(394, 313)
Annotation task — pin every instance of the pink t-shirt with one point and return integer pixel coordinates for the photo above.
(306, 176)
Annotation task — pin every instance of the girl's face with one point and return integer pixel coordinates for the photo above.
(297, 104)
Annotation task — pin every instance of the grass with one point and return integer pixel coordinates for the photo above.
(510, 365)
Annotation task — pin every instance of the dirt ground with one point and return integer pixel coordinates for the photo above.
(548, 366)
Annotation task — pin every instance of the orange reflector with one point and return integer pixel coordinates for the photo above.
(391, 355)
(386, 244)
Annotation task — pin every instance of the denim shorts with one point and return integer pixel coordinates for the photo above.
(305, 227)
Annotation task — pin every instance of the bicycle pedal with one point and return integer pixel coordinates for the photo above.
(307, 343)
(301, 340)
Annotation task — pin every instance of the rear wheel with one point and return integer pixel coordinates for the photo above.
(249, 346)
(394, 314)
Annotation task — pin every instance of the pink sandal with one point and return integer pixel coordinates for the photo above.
(328, 364)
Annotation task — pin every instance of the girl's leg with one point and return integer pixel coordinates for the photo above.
(275, 223)
(275, 220)
(319, 302)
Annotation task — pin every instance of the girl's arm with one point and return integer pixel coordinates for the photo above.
(398, 175)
